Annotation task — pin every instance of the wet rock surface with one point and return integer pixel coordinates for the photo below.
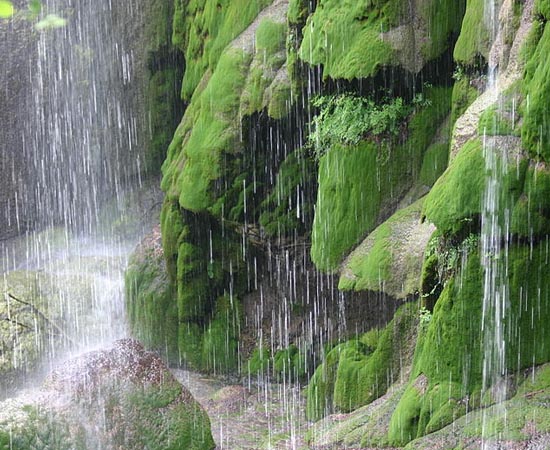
(258, 415)
(120, 398)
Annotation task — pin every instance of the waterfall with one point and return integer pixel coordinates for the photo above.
(82, 143)
(495, 224)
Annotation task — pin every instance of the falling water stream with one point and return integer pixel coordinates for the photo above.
(83, 146)
(495, 220)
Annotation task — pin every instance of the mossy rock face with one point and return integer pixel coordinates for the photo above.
(221, 339)
(534, 132)
(390, 259)
(195, 324)
(283, 212)
(455, 201)
(531, 213)
(123, 397)
(202, 30)
(358, 184)
(151, 309)
(354, 40)
(206, 154)
(449, 352)
(359, 371)
(366, 427)
(526, 424)
(474, 39)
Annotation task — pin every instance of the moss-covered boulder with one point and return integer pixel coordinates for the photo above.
(246, 76)
(390, 259)
(355, 39)
(123, 397)
(520, 422)
(446, 378)
(360, 184)
(151, 311)
(359, 371)
(536, 137)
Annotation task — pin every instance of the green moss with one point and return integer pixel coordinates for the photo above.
(211, 132)
(434, 163)
(262, 89)
(190, 340)
(297, 11)
(282, 214)
(270, 36)
(531, 213)
(359, 371)
(203, 28)
(258, 362)
(449, 353)
(205, 157)
(221, 339)
(493, 123)
(162, 113)
(344, 37)
(320, 390)
(372, 267)
(445, 20)
(542, 7)
(280, 100)
(455, 199)
(404, 422)
(348, 202)
(456, 196)
(443, 405)
(290, 364)
(445, 354)
(474, 39)
(463, 96)
(536, 111)
(150, 303)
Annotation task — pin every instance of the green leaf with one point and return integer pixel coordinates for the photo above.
(6, 9)
(35, 6)
(51, 21)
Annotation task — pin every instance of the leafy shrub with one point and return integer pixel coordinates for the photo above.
(346, 119)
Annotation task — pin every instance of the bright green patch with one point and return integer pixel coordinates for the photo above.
(359, 371)
(542, 7)
(434, 163)
(456, 196)
(346, 119)
(493, 123)
(221, 338)
(202, 29)
(445, 19)
(536, 125)
(531, 213)
(344, 37)
(270, 36)
(6, 9)
(463, 96)
(474, 39)
(283, 210)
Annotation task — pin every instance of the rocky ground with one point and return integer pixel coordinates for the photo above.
(258, 415)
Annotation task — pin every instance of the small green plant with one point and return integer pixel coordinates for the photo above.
(425, 317)
(346, 119)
